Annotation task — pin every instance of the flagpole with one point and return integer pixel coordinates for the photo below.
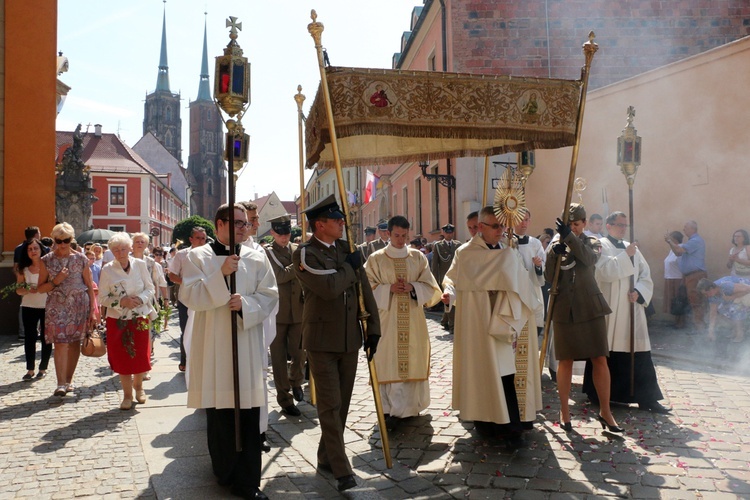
(316, 30)
(589, 49)
(299, 98)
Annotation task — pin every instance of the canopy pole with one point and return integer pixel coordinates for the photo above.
(316, 30)
(486, 178)
(589, 49)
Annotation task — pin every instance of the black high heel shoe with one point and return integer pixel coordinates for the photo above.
(566, 426)
(610, 428)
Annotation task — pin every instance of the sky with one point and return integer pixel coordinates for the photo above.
(113, 50)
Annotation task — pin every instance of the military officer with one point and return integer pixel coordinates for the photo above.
(369, 236)
(287, 343)
(442, 257)
(331, 333)
(383, 238)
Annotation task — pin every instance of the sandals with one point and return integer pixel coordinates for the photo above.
(70, 387)
(60, 391)
(126, 404)
(28, 376)
(140, 396)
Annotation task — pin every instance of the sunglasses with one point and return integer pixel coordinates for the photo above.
(493, 226)
(66, 241)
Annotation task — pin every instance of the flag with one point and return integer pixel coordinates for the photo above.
(371, 186)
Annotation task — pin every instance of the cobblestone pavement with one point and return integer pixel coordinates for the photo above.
(83, 446)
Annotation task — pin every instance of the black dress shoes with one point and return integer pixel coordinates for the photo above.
(248, 492)
(655, 407)
(292, 411)
(298, 393)
(346, 483)
(391, 423)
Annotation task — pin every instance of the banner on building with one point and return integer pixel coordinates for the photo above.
(395, 116)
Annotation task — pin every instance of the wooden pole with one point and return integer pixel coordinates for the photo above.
(589, 49)
(316, 30)
(233, 285)
(632, 289)
(300, 98)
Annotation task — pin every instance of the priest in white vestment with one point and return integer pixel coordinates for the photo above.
(496, 380)
(613, 272)
(205, 290)
(403, 285)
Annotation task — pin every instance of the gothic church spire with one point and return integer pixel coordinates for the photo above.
(204, 88)
(162, 80)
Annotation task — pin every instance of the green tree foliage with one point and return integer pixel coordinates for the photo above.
(183, 228)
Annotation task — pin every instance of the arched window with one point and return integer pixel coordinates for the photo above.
(210, 187)
(168, 113)
(168, 139)
(210, 169)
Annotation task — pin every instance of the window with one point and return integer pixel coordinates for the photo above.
(116, 229)
(168, 113)
(117, 195)
(210, 188)
(168, 138)
(418, 206)
(431, 63)
(394, 210)
(405, 201)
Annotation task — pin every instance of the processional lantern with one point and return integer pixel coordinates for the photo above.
(629, 149)
(232, 95)
(526, 163)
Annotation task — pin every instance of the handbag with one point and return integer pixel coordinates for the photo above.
(93, 345)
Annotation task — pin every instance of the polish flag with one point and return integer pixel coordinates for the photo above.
(371, 186)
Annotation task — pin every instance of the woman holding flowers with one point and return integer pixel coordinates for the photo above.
(126, 290)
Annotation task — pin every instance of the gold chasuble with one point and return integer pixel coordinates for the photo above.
(495, 311)
(404, 350)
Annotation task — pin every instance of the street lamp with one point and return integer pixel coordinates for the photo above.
(629, 159)
(232, 95)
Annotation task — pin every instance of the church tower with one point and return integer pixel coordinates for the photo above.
(206, 170)
(162, 108)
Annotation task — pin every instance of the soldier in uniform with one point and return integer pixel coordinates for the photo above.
(287, 343)
(382, 241)
(331, 332)
(442, 257)
(369, 236)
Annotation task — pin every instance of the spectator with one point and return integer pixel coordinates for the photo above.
(739, 257)
(594, 226)
(29, 233)
(71, 304)
(32, 307)
(98, 253)
(472, 223)
(727, 296)
(692, 264)
(675, 296)
(127, 292)
(96, 269)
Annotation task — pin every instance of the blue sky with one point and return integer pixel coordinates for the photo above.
(113, 49)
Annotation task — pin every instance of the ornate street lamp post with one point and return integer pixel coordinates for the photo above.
(629, 159)
(232, 95)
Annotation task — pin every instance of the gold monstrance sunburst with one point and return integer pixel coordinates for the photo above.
(510, 200)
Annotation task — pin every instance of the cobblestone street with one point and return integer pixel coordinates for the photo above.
(83, 445)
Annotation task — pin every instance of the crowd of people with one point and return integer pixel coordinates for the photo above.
(301, 301)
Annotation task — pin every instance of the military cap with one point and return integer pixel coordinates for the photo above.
(370, 230)
(281, 224)
(327, 207)
(448, 228)
(383, 225)
(576, 212)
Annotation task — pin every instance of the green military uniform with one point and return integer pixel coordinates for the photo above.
(442, 258)
(287, 343)
(331, 334)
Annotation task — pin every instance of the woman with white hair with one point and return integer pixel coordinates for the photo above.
(71, 304)
(126, 290)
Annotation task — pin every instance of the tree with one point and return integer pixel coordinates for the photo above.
(183, 228)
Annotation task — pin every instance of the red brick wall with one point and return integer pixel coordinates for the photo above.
(634, 36)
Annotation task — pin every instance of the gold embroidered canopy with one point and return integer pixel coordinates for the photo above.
(394, 116)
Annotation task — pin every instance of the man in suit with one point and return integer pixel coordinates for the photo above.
(369, 236)
(288, 319)
(331, 333)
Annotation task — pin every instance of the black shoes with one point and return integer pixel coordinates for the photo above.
(325, 467)
(292, 411)
(566, 426)
(655, 407)
(345, 483)
(391, 423)
(298, 393)
(248, 492)
(610, 428)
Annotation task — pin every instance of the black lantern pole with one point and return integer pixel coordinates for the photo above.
(628, 159)
(232, 95)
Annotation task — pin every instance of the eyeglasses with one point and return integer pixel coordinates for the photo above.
(66, 241)
(620, 225)
(253, 219)
(493, 226)
(238, 224)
